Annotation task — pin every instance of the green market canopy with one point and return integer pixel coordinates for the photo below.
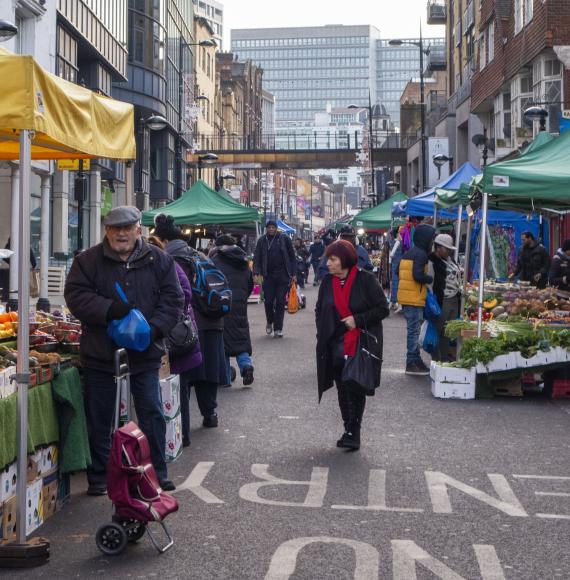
(380, 216)
(201, 205)
(539, 179)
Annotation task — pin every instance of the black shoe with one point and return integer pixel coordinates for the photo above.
(225, 386)
(185, 442)
(167, 485)
(349, 440)
(233, 374)
(417, 369)
(210, 421)
(97, 489)
(247, 376)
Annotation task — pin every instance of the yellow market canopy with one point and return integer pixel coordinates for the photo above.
(68, 121)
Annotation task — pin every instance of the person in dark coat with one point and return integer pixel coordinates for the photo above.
(347, 233)
(274, 261)
(560, 268)
(211, 373)
(533, 263)
(316, 251)
(148, 278)
(302, 257)
(351, 301)
(233, 262)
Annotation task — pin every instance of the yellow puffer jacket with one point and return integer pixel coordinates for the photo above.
(410, 292)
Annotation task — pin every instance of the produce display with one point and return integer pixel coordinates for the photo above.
(7, 326)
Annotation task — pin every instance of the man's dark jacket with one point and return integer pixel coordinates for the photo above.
(439, 277)
(369, 307)
(316, 251)
(559, 270)
(232, 261)
(262, 252)
(151, 285)
(533, 260)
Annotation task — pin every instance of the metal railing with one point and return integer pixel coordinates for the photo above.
(303, 141)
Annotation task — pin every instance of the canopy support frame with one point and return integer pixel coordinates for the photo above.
(482, 260)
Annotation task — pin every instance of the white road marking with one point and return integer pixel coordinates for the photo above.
(194, 482)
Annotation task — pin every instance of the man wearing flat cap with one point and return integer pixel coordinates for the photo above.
(148, 278)
(274, 261)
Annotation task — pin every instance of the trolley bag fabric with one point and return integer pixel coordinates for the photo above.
(293, 302)
(211, 289)
(131, 332)
(132, 484)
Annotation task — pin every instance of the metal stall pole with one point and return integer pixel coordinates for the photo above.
(23, 364)
(435, 216)
(466, 264)
(458, 231)
(482, 258)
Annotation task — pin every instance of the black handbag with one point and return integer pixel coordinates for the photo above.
(183, 337)
(360, 371)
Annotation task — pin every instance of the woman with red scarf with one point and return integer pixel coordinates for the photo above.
(351, 301)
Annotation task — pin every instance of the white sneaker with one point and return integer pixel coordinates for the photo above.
(269, 329)
(278, 334)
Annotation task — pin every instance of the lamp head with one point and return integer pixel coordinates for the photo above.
(7, 30)
(209, 42)
(440, 159)
(395, 42)
(156, 122)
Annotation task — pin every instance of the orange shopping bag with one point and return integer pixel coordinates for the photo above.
(293, 302)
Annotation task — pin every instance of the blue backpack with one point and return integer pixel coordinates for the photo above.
(210, 288)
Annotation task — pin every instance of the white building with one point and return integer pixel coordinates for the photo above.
(213, 12)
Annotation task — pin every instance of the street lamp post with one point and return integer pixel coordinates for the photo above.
(420, 45)
(536, 113)
(207, 158)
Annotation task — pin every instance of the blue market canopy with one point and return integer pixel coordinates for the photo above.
(285, 228)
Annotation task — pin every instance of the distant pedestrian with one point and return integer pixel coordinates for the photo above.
(395, 259)
(148, 278)
(233, 262)
(275, 265)
(316, 251)
(412, 293)
(302, 257)
(351, 301)
(348, 233)
(533, 263)
(560, 268)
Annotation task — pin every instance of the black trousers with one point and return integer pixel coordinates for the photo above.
(274, 292)
(206, 395)
(350, 401)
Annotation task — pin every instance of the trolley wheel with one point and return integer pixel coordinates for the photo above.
(111, 539)
(134, 529)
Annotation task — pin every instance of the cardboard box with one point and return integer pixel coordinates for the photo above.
(9, 519)
(443, 374)
(34, 466)
(50, 459)
(164, 371)
(8, 480)
(453, 390)
(173, 438)
(63, 490)
(170, 393)
(10, 387)
(50, 492)
(503, 362)
(34, 506)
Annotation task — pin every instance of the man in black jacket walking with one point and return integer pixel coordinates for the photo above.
(533, 263)
(148, 278)
(274, 260)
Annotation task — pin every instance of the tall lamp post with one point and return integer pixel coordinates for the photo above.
(539, 114)
(420, 45)
(370, 148)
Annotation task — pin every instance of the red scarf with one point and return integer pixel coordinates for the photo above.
(341, 301)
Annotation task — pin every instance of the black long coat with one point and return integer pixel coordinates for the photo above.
(369, 307)
(232, 261)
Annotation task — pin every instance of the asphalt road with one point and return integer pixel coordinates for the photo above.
(440, 489)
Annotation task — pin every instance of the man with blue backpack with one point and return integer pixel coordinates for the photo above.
(274, 261)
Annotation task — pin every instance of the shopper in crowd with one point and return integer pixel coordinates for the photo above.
(533, 262)
(447, 289)
(148, 278)
(182, 363)
(560, 268)
(328, 238)
(5, 271)
(412, 293)
(274, 265)
(395, 259)
(233, 262)
(351, 301)
(347, 233)
(302, 257)
(212, 372)
(316, 251)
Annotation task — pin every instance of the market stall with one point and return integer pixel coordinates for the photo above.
(42, 116)
(379, 217)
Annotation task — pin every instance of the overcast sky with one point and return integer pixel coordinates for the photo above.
(394, 18)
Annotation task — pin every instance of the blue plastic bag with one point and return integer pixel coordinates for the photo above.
(432, 310)
(429, 337)
(132, 331)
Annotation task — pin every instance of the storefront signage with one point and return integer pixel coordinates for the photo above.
(564, 120)
(73, 164)
(501, 181)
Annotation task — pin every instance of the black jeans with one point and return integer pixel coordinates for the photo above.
(350, 401)
(206, 395)
(274, 291)
(101, 391)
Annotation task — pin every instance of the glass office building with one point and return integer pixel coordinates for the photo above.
(312, 67)
(396, 66)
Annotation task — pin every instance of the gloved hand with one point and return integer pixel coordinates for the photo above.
(118, 310)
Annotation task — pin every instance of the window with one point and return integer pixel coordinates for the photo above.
(483, 50)
(518, 16)
(528, 10)
(491, 41)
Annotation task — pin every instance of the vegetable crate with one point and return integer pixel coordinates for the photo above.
(501, 363)
(453, 390)
(508, 387)
(560, 389)
(451, 382)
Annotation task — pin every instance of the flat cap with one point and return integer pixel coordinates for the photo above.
(124, 215)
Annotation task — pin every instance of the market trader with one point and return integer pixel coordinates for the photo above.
(533, 262)
(148, 277)
(274, 260)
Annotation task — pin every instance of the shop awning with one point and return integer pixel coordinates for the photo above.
(201, 205)
(285, 228)
(380, 216)
(68, 121)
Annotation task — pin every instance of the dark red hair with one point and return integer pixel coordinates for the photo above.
(345, 252)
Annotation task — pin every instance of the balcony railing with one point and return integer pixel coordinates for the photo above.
(436, 12)
(436, 59)
(469, 17)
